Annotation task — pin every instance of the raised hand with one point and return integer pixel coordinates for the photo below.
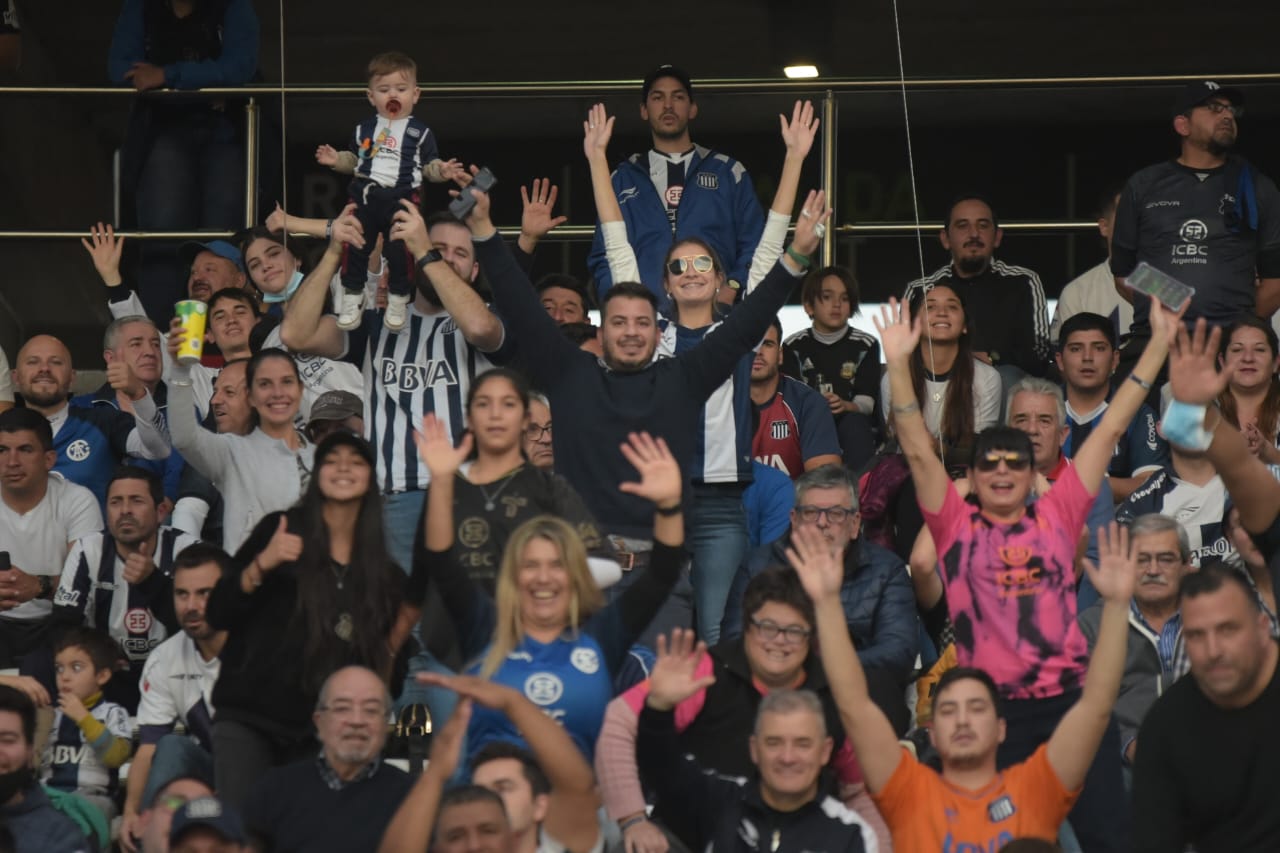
(660, 478)
(447, 742)
(536, 220)
(284, 547)
(674, 678)
(798, 133)
(436, 450)
(452, 170)
(899, 335)
(347, 229)
(484, 692)
(478, 219)
(596, 132)
(818, 562)
(277, 220)
(120, 377)
(138, 566)
(1165, 322)
(104, 248)
(1116, 573)
(409, 226)
(177, 334)
(1193, 365)
(327, 155)
(811, 225)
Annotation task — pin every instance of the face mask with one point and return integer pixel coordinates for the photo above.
(287, 294)
(13, 782)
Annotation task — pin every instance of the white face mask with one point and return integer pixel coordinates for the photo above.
(294, 281)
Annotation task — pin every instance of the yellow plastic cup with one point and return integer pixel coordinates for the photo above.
(193, 314)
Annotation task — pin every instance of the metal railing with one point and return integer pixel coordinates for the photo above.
(828, 90)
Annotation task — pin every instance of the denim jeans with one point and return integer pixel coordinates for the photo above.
(717, 540)
(192, 177)
(401, 514)
(176, 757)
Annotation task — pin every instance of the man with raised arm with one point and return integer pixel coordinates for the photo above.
(1008, 564)
(970, 805)
(473, 819)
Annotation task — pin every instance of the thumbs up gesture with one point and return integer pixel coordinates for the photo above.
(138, 566)
(284, 547)
(120, 377)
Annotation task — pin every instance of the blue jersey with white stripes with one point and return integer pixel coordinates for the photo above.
(392, 152)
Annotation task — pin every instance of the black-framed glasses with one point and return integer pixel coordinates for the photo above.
(1013, 460)
(835, 514)
(769, 631)
(701, 263)
(1218, 108)
(1165, 559)
(535, 432)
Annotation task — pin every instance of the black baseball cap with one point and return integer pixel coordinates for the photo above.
(1194, 94)
(666, 71)
(209, 813)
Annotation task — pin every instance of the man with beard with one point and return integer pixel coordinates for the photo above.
(680, 190)
(1004, 305)
(35, 826)
(1207, 218)
(795, 430)
(89, 442)
(120, 580)
(199, 507)
(344, 798)
(177, 686)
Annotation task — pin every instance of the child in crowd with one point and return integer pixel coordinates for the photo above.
(390, 155)
(838, 361)
(90, 737)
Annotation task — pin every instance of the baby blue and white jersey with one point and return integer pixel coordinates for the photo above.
(177, 685)
(93, 591)
(71, 764)
(392, 152)
(567, 679)
(426, 367)
(1197, 508)
(722, 452)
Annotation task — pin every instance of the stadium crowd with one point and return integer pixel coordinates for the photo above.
(319, 574)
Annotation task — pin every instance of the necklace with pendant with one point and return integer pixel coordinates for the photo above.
(490, 500)
(343, 627)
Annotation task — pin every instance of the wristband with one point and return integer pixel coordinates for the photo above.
(429, 258)
(1142, 383)
(632, 821)
(1183, 425)
(794, 254)
(328, 230)
(46, 586)
(669, 510)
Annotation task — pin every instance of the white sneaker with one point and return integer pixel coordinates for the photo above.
(397, 311)
(350, 310)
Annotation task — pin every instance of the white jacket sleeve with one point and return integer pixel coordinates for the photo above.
(147, 441)
(209, 452)
(772, 242)
(618, 252)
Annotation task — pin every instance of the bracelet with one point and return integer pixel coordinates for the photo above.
(794, 254)
(907, 409)
(1142, 383)
(632, 821)
(669, 510)
(328, 230)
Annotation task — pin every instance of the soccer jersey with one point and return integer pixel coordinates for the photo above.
(426, 367)
(1011, 589)
(71, 763)
(794, 426)
(566, 678)
(38, 540)
(93, 591)
(91, 443)
(925, 813)
(1197, 508)
(1139, 450)
(392, 151)
(847, 367)
(177, 684)
(668, 172)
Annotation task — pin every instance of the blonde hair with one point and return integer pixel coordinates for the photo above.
(584, 596)
(391, 62)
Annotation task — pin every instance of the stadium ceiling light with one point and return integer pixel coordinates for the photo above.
(800, 72)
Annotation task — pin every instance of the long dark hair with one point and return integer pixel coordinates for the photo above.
(371, 581)
(518, 382)
(956, 422)
(251, 368)
(1269, 411)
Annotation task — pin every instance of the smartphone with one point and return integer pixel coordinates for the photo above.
(4, 561)
(1172, 293)
(483, 181)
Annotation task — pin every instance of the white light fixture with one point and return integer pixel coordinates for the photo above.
(800, 72)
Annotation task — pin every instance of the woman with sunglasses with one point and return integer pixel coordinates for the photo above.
(694, 280)
(1007, 561)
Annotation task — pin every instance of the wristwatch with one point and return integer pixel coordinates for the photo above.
(430, 258)
(46, 586)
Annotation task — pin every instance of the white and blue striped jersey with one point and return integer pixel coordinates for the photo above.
(392, 152)
(70, 764)
(426, 367)
(93, 591)
(1197, 508)
(722, 448)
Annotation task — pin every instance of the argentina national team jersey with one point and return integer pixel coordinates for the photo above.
(722, 449)
(426, 367)
(1197, 508)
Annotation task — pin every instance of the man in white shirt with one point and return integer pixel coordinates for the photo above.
(41, 514)
(1095, 289)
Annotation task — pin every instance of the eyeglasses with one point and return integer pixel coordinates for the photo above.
(835, 514)
(1165, 560)
(1218, 108)
(769, 631)
(1013, 461)
(535, 432)
(701, 263)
